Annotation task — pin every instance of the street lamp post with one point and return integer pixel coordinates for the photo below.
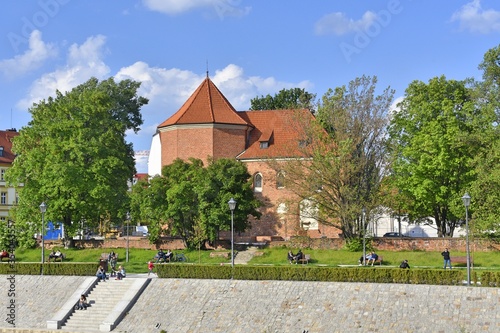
(43, 208)
(128, 237)
(232, 206)
(466, 200)
(364, 235)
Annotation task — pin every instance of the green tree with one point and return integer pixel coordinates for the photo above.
(190, 201)
(432, 149)
(345, 155)
(486, 188)
(225, 179)
(295, 98)
(148, 204)
(73, 156)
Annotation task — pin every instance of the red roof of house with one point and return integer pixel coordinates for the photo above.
(277, 127)
(206, 105)
(6, 142)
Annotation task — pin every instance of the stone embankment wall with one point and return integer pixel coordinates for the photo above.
(227, 306)
(389, 244)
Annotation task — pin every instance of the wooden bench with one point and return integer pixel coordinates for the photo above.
(459, 260)
(378, 261)
(305, 259)
(60, 257)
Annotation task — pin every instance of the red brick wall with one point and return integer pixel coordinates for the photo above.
(185, 143)
(228, 142)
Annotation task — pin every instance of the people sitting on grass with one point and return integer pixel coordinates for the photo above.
(169, 255)
(290, 257)
(361, 262)
(299, 256)
(160, 256)
(404, 264)
(373, 257)
(56, 255)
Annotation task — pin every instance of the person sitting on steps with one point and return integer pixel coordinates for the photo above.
(101, 274)
(121, 273)
(82, 303)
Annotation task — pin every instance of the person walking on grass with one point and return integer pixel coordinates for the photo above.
(446, 257)
(151, 266)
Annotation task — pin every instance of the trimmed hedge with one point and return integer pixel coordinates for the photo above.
(83, 269)
(301, 273)
(289, 273)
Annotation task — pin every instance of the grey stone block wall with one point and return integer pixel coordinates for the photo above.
(177, 306)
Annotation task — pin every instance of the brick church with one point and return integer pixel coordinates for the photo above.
(208, 125)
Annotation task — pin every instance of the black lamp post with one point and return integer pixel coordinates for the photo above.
(43, 209)
(232, 207)
(364, 235)
(466, 200)
(128, 237)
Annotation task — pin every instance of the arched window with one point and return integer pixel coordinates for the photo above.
(257, 182)
(280, 179)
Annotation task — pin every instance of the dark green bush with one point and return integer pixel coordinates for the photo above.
(85, 269)
(308, 273)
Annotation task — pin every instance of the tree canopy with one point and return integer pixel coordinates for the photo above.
(345, 155)
(433, 146)
(191, 201)
(295, 98)
(73, 156)
(486, 187)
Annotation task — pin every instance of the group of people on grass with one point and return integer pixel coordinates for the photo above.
(56, 254)
(370, 257)
(164, 257)
(295, 258)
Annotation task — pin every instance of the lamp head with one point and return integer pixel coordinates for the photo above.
(232, 204)
(466, 199)
(43, 207)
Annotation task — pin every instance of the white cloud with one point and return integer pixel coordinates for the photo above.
(168, 89)
(32, 59)
(473, 18)
(83, 62)
(222, 8)
(339, 24)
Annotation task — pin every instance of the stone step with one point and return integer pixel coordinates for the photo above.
(104, 298)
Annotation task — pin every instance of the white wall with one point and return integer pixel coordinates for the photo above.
(154, 161)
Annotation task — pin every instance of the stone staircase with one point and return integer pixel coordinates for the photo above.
(109, 302)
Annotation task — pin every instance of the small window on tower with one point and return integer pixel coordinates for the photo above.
(257, 182)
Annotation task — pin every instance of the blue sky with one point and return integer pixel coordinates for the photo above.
(252, 48)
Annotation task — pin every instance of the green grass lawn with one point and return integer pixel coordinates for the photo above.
(138, 258)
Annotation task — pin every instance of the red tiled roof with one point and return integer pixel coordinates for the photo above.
(140, 176)
(279, 128)
(206, 105)
(6, 142)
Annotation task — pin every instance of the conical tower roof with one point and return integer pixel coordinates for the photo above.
(206, 105)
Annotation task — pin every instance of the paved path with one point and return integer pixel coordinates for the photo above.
(243, 257)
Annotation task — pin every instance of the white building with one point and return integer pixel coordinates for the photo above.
(384, 223)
